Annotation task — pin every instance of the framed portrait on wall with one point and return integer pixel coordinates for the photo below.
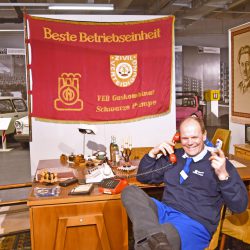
(240, 73)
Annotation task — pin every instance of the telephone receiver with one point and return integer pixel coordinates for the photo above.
(176, 138)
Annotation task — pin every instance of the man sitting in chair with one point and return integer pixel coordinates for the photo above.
(196, 187)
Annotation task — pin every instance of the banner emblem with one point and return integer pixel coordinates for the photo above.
(68, 93)
(123, 69)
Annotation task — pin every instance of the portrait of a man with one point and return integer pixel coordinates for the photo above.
(244, 68)
(240, 73)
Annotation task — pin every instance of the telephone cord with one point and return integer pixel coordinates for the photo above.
(141, 174)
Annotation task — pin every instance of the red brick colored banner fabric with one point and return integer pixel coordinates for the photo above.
(100, 72)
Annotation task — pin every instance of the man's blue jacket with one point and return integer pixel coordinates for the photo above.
(202, 194)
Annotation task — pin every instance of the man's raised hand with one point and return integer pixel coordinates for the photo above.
(218, 162)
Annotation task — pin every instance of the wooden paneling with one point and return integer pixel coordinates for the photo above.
(138, 153)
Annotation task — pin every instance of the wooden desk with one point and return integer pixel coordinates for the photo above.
(94, 221)
(243, 172)
(86, 222)
(242, 151)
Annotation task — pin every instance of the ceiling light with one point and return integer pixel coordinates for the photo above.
(188, 5)
(217, 5)
(81, 7)
(24, 4)
(9, 30)
(56, 6)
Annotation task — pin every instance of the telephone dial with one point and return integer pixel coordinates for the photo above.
(176, 138)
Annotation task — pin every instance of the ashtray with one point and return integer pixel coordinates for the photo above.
(127, 168)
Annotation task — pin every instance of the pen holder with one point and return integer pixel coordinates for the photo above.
(126, 152)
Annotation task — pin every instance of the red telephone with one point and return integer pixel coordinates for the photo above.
(176, 138)
(112, 186)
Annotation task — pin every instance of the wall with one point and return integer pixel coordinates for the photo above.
(178, 70)
(12, 40)
(50, 140)
(12, 75)
(204, 71)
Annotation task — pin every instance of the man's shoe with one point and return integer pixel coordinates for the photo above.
(159, 241)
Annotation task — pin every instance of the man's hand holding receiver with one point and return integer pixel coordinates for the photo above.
(164, 148)
(218, 162)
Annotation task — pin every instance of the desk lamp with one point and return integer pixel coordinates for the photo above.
(86, 129)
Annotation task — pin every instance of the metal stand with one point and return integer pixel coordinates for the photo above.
(86, 130)
(4, 124)
(84, 144)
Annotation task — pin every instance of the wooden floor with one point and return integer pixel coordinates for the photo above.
(14, 219)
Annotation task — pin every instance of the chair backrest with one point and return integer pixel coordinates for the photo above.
(215, 239)
(138, 153)
(224, 136)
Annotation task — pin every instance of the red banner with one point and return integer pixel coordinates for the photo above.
(97, 72)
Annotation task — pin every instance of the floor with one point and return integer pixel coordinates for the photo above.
(15, 164)
(14, 168)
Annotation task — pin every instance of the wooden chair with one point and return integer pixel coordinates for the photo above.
(139, 152)
(215, 239)
(224, 136)
(178, 145)
(236, 226)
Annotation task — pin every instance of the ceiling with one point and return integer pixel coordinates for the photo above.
(197, 21)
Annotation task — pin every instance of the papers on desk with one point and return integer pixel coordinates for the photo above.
(99, 173)
(237, 164)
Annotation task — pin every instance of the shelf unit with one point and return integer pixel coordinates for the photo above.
(224, 82)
